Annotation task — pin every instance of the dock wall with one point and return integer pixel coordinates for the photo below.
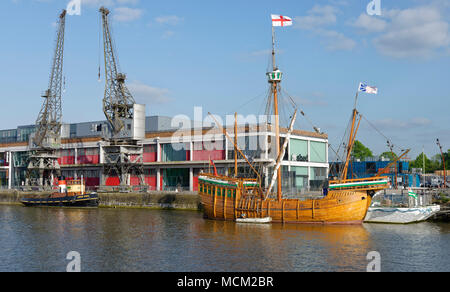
(153, 200)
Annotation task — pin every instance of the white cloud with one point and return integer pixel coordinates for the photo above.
(337, 41)
(370, 23)
(149, 95)
(317, 20)
(168, 34)
(415, 32)
(126, 14)
(318, 16)
(410, 33)
(169, 19)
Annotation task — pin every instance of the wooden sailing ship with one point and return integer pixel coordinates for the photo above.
(233, 198)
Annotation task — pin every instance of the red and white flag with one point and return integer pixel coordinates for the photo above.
(280, 20)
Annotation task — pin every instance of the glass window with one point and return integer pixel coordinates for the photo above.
(318, 152)
(301, 177)
(298, 150)
(318, 178)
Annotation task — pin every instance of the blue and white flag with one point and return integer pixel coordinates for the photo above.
(367, 89)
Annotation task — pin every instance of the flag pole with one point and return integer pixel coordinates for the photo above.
(274, 84)
(356, 97)
(273, 47)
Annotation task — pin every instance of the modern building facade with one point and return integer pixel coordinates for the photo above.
(174, 157)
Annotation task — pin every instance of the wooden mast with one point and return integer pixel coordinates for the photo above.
(237, 148)
(235, 143)
(282, 152)
(274, 81)
(351, 139)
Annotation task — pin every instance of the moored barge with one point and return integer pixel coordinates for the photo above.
(72, 194)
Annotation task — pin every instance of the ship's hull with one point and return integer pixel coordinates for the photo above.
(87, 200)
(338, 207)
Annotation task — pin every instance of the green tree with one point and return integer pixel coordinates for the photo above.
(360, 151)
(389, 155)
(447, 160)
(430, 164)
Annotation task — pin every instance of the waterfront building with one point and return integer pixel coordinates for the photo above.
(173, 157)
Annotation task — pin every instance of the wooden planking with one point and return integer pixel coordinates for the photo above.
(339, 207)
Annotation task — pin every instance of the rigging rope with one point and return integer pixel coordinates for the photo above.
(379, 132)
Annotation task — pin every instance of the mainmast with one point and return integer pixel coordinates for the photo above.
(235, 145)
(274, 79)
(352, 137)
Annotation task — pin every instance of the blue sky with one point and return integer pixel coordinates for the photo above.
(178, 54)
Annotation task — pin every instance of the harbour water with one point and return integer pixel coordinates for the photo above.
(39, 239)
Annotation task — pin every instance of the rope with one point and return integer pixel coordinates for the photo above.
(379, 132)
(244, 104)
(294, 104)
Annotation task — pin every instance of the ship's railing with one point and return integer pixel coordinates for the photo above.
(223, 177)
(404, 200)
(362, 184)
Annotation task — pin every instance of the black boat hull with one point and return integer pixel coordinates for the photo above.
(87, 200)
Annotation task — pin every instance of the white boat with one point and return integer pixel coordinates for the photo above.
(400, 215)
(400, 209)
(254, 220)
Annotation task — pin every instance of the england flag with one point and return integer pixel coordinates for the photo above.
(367, 89)
(280, 20)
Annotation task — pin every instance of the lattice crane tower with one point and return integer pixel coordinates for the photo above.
(43, 162)
(122, 154)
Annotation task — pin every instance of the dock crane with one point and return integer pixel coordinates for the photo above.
(443, 162)
(118, 103)
(43, 163)
(122, 152)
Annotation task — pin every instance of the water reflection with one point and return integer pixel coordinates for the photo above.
(34, 239)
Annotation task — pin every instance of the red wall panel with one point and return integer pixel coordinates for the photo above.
(113, 181)
(88, 159)
(151, 181)
(150, 157)
(134, 180)
(204, 155)
(195, 184)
